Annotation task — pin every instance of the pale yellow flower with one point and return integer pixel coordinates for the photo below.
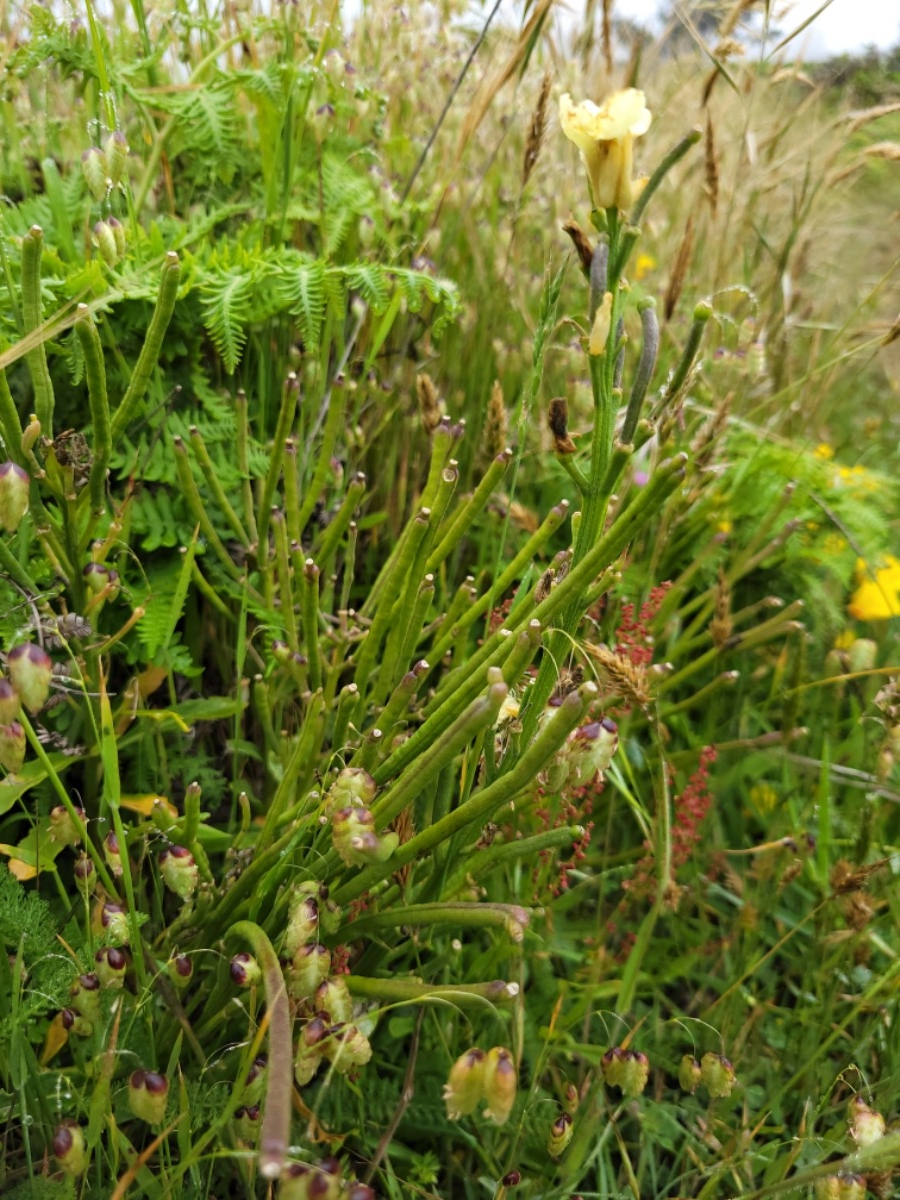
(605, 136)
(601, 326)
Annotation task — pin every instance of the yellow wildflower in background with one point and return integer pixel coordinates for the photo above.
(877, 596)
(643, 265)
(824, 451)
(605, 136)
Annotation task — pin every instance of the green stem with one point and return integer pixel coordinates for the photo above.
(32, 315)
(463, 915)
(410, 991)
(211, 478)
(198, 508)
(467, 512)
(95, 373)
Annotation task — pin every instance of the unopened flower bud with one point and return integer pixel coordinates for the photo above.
(309, 966)
(96, 174)
(31, 433)
(635, 1073)
(12, 747)
(246, 1123)
(179, 871)
(69, 1148)
(512, 1179)
(112, 853)
(245, 970)
(717, 1074)
(63, 828)
(105, 241)
(465, 1086)
(560, 1135)
(111, 964)
(10, 704)
(148, 1094)
(116, 155)
(865, 1124)
(14, 484)
(500, 1083)
(353, 788)
(255, 1081)
(334, 66)
(180, 970)
(30, 671)
(84, 996)
(689, 1073)
(332, 997)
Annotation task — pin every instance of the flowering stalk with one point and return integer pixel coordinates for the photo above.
(276, 1123)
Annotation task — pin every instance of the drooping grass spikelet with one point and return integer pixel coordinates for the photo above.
(721, 625)
(711, 166)
(606, 36)
(536, 130)
(623, 677)
(679, 269)
(496, 426)
(429, 403)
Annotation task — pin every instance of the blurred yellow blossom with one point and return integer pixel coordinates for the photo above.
(763, 797)
(823, 450)
(644, 264)
(844, 640)
(605, 136)
(877, 596)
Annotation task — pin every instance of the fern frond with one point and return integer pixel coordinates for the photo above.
(225, 298)
(303, 292)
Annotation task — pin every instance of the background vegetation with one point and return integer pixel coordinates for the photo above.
(311, 783)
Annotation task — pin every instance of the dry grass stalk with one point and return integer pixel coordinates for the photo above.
(496, 426)
(429, 404)
(862, 116)
(623, 677)
(721, 626)
(404, 826)
(679, 270)
(606, 36)
(537, 130)
(888, 150)
(711, 166)
(704, 444)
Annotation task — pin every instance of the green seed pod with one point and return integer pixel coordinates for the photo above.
(353, 788)
(347, 1047)
(560, 1135)
(96, 577)
(69, 1148)
(113, 919)
(105, 241)
(12, 747)
(180, 970)
(118, 232)
(116, 155)
(95, 171)
(14, 485)
(246, 1123)
(635, 1073)
(851, 1187)
(10, 704)
(689, 1073)
(255, 1083)
(85, 875)
(864, 1124)
(309, 966)
(464, 1088)
(332, 997)
(73, 1022)
(353, 835)
(111, 964)
(717, 1074)
(245, 970)
(612, 1065)
(500, 1083)
(84, 996)
(148, 1095)
(112, 854)
(179, 871)
(30, 671)
(303, 923)
(62, 828)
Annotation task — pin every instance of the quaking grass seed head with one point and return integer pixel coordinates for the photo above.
(69, 1148)
(148, 1095)
(14, 488)
(464, 1088)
